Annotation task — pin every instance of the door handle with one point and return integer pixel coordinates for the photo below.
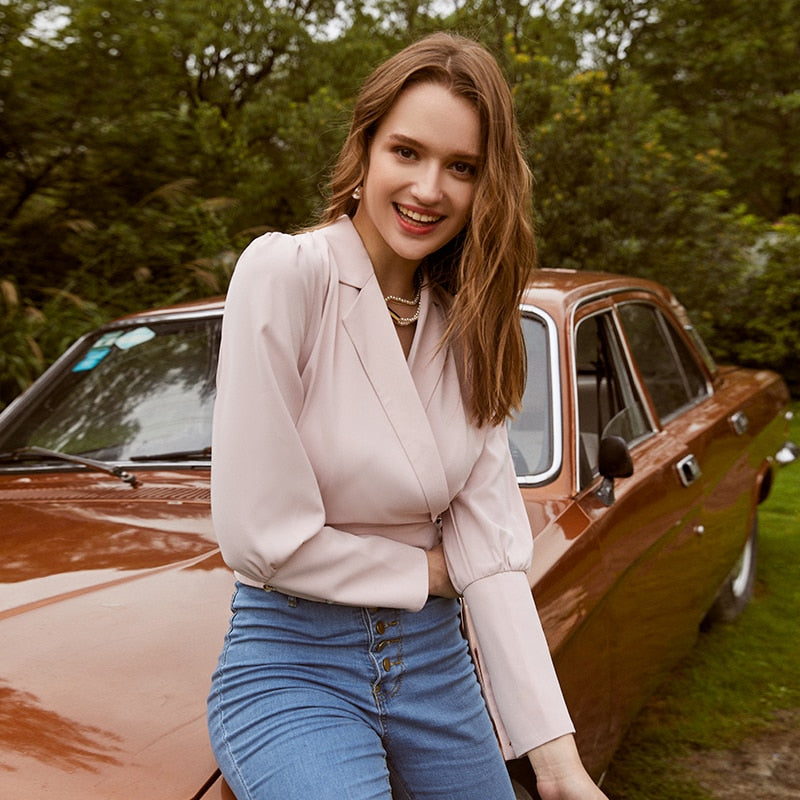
(739, 422)
(688, 470)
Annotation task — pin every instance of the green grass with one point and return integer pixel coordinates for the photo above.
(737, 677)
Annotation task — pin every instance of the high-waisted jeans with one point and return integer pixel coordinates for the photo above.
(313, 701)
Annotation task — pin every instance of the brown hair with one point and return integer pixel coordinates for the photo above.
(484, 268)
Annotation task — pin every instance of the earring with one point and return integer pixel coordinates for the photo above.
(356, 193)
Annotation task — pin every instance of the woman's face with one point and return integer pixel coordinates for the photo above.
(419, 187)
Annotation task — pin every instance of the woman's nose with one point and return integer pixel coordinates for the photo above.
(428, 185)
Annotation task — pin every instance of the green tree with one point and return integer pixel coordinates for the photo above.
(760, 324)
(129, 166)
(730, 66)
(145, 143)
(612, 195)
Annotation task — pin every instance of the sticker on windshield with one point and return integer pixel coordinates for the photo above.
(135, 337)
(107, 339)
(91, 359)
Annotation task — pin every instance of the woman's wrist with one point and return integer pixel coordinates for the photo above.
(556, 758)
(439, 583)
(560, 774)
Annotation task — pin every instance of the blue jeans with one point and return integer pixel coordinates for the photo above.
(312, 700)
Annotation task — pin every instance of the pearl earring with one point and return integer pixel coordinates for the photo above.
(356, 193)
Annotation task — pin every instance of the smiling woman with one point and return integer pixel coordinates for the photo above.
(477, 272)
(362, 479)
(418, 192)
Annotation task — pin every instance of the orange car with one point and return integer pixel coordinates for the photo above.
(642, 465)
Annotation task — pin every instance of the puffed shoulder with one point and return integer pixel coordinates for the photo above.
(298, 263)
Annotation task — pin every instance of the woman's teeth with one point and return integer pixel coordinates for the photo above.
(414, 216)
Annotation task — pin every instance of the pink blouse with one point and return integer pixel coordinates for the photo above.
(337, 462)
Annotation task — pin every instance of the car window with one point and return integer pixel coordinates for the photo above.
(607, 402)
(673, 377)
(695, 337)
(132, 392)
(533, 442)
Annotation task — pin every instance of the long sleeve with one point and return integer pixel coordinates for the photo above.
(488, 546)
(269, 516)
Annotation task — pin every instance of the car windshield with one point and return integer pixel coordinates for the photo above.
(146, 391)
(535, 446)
(141, 391)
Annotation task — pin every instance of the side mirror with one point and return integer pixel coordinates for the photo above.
(614, 461)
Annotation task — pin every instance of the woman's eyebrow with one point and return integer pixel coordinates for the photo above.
(410, 141)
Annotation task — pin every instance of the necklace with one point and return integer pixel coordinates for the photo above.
(403, 321)
(393, 298)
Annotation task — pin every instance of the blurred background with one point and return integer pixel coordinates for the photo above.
(145, 142)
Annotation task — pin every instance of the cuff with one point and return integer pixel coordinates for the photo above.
(520, 682)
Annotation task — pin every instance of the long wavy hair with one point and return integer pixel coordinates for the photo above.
(482, 272)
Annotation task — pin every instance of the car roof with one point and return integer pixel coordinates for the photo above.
(570, 287)
(211, 306)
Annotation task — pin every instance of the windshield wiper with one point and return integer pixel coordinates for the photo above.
(118, 472)
(176, 455)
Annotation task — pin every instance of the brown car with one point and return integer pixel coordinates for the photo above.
(642, 465)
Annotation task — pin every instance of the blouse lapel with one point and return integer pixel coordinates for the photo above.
(426, 359)
(403, 389)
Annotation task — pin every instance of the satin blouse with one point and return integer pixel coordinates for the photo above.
(337, 462)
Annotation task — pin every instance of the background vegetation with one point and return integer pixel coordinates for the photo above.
(145, 142)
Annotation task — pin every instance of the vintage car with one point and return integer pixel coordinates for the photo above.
(642, 465)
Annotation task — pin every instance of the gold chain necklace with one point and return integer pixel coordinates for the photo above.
(396, 318)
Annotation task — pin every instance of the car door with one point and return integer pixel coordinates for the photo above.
(712, 429)
(648, 532)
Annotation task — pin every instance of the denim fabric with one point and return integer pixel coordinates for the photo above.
(312, 701)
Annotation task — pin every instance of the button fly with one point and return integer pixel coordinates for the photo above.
(386, 650)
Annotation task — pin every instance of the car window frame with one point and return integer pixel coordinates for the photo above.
(552, 471)
(632, 378)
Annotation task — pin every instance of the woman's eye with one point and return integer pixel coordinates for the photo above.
(463, 168)
(404, 152)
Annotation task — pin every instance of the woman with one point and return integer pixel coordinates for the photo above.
(361, 479)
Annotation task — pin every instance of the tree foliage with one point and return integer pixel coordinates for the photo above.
(730, 66)
(145, 142)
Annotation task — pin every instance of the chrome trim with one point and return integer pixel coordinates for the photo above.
(557, 432)
(688, 470)
(739, 422)
(787, 454)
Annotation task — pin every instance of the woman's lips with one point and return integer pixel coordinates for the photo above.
(417, 219)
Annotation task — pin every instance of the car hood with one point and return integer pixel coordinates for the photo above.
(113, 605)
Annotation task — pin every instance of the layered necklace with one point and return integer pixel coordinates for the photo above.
(415, 303)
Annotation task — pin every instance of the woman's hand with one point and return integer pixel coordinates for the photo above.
(438, 579)
(560, 775)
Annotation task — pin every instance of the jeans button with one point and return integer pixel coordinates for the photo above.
(387, 664)
(380, 626)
